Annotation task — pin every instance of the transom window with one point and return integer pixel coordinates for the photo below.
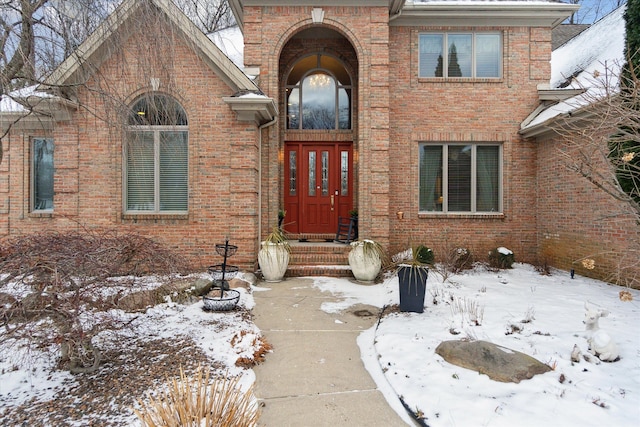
(156, 157)
(42, 174)
(460, 177)
(318, 94)
(471, 55)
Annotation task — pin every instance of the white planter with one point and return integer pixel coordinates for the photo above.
(273, 259)
(365, 267)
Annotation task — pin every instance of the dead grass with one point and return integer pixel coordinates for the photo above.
(197, 402)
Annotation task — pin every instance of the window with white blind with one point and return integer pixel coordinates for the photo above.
(461, 178)
(464, 55)
(42, 174)
(156, 157)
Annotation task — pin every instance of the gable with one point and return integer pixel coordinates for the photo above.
(98, 46)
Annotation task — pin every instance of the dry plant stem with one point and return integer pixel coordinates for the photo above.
(197, 402)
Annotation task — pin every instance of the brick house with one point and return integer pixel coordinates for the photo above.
(408, 111)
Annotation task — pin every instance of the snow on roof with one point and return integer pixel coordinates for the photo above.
(9, 102)
(231, 42)
(589, 61)
(602, 43)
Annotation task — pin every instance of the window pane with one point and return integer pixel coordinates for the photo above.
(319, 102)
(293, 173)
(459, 178)
(344, 108)
(344, 173)
(174, 171)
(325, 173)
(459, 55)
(42, 174)
(140, 171)
(487, 55)
(312, 173)
(431, 55)
(155, 109)
(293, 108)
(487, 181)
(431, 178)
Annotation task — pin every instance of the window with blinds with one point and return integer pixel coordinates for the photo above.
(156, 157)
(465, 55)
(460, 178)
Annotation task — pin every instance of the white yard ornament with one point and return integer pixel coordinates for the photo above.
(600, 343)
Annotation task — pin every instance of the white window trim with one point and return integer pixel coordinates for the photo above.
(445, 179)
(156, 169)
(445, 50)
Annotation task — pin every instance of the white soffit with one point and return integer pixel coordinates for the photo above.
(484, 13)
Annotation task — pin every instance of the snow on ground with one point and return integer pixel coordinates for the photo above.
(28, 374)
(522, 310)
(519, 309)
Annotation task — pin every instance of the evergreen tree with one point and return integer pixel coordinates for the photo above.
(454, 67)
(438, 72)
(625, 155)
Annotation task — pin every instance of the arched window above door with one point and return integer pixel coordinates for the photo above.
(318, 94)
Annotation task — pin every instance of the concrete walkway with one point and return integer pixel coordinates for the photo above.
(315, 376)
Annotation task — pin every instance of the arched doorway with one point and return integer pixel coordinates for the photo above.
(318, 165)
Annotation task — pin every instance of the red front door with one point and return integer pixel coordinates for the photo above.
(318, 186)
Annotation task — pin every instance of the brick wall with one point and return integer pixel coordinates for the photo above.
(430, 110)
(364, 48)
(578, 221)
(223, 153)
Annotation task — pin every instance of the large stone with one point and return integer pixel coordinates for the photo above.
(499, 363)
(202, 286)
(236, 283)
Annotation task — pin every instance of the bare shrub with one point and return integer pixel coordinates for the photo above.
(453, 259)
(469, 309)
(60, 289)
(195, 402)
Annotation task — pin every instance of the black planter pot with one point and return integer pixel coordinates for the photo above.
(413, 286)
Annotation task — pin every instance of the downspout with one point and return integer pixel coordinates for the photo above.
(396, 16)
(260, 128)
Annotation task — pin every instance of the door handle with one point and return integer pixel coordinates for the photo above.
(332, 201)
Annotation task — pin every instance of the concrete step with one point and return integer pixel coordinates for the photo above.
(319, 259)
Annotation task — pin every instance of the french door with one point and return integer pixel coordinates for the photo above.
(318, 186)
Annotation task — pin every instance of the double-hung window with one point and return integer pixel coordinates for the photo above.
(461, 178)
(156, 157)
(42, 174)
(451, 55)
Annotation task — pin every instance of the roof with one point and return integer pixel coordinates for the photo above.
(443, 12)
(95, 50)
(590, 62)
(565, 32)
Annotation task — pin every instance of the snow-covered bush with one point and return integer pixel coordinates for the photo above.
(424, 255)
(501, 258)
